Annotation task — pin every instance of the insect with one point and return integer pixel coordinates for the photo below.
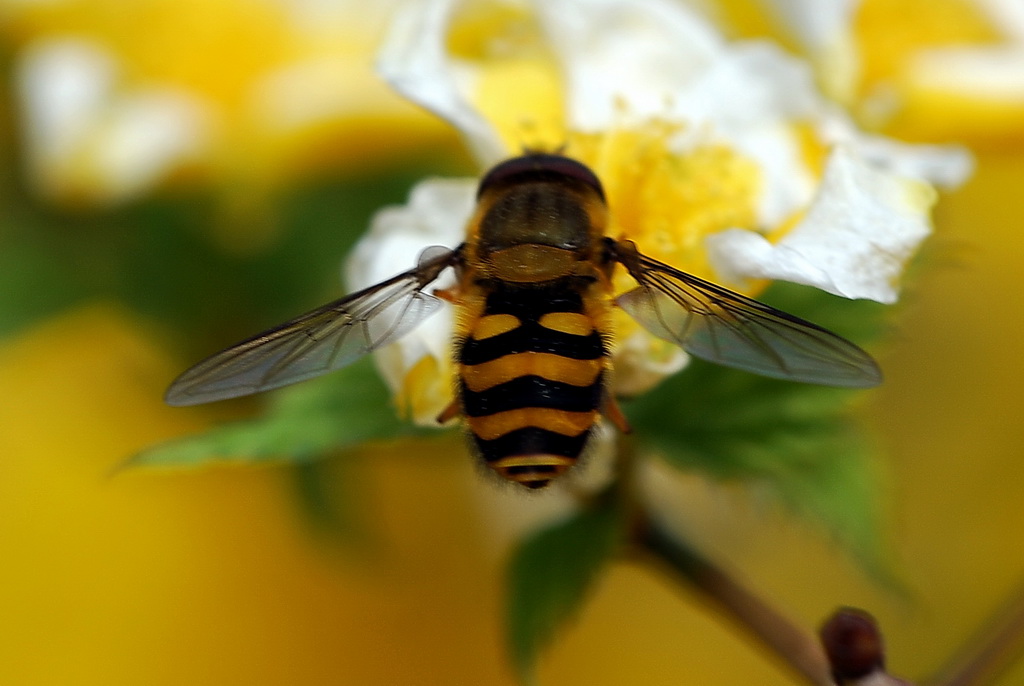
(532, 347)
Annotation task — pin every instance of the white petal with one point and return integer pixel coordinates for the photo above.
(303, 94)
(755, 81)
(638, 52)
(825, 30)
(816, 23)
(749, 99)
(862, 227)
(984, 72)
(62, 86)
(1007, 15)
(642, 361)
(145, 136)
(81, 133)
(946, 166)
(628, 61)
(414, 61)
(436, 214)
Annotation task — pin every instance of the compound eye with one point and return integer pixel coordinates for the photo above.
(540, 167)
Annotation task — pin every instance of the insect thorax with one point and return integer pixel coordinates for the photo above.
(538, 231)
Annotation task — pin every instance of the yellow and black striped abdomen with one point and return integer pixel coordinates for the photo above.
(532, 373)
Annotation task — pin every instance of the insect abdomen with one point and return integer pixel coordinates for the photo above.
(532, 381)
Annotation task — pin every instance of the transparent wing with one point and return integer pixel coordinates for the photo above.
(721, 326)
(319, 341)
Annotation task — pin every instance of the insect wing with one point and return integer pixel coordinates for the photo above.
(724, 327)
(319, 341)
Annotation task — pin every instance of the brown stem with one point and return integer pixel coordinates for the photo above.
(799, 649)
(995, 648)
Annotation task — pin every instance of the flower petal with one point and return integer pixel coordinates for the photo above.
(1008, 15)
(436, 214)
(637, 53)
(946, 166)
(990, 72)
(823, 28)
(862, 227)
(63, 86)
(83, 137)
(148, 134)
(415, 62)
(642, 361)
(815, 23)
(777, 92)
(633, 61)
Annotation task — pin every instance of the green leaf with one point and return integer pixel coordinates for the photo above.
(303, 422)
(861, 321)
(799, 440)
(550, 574)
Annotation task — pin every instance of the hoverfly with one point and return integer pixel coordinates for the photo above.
(532, 346)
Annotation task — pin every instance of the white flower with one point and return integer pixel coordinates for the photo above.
(822, 27)
(934, 72)
(109, 117)
(720, 158)
(857, 234)
(435, 215)
(83, 139)
(984, 71)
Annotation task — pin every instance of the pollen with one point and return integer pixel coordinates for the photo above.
(425, 391)
(669, 197)
(517, 74)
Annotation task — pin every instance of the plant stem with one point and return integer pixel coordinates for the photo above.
(799, 649)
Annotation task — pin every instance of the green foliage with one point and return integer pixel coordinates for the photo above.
(861, 321)
(332, 499)
(797, 439)
(550, 574)
(303, 422)
(162, 257)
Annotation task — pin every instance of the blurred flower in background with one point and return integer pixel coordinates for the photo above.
(121, 120)
(116, 99)
(922, 71)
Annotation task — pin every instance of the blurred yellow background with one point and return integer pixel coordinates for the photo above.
(217, 577)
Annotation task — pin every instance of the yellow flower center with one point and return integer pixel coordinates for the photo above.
(518, 88)
(666, 196)
(427, 386)
(666, 200)
(669, 201)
